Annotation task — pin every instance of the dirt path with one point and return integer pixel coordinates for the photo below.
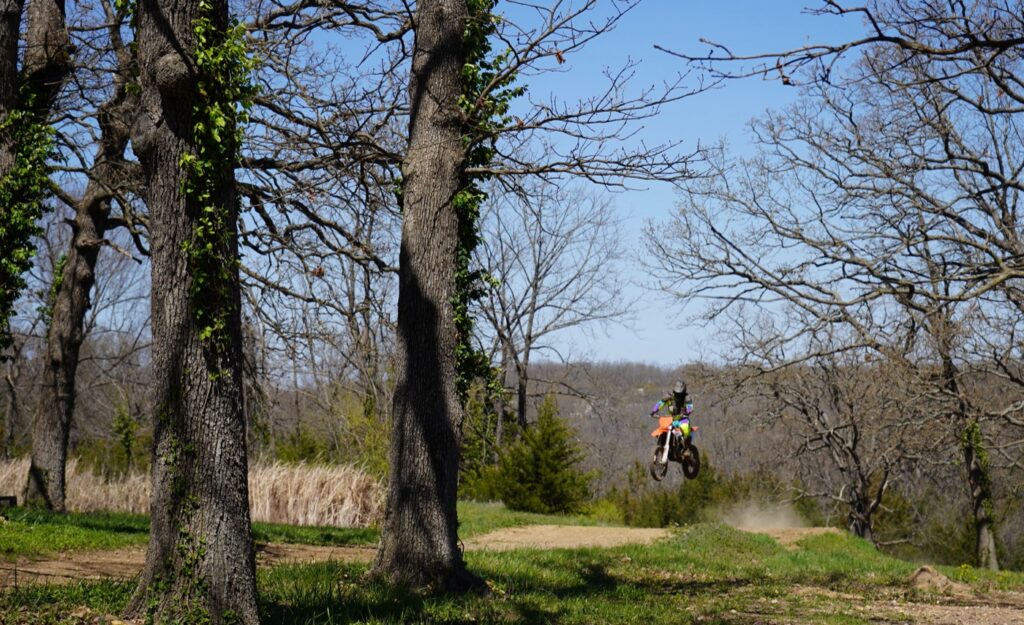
(962, 614)
(563, 537)
(125, 563)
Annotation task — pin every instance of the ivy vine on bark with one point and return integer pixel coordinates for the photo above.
(23, 194)
(487, 92)
(225, 92)
(46, 310)
(972, 439)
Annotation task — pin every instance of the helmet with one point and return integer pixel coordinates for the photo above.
(680, 386)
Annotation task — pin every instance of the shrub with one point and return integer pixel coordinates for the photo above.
(302, 445)
(348, 432)
(540, 472)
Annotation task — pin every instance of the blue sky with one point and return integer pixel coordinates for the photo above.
(659, 332)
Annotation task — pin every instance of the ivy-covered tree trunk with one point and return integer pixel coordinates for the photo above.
(26, 96)
(978, 475)
(982, 505)
(71, 296)
(200, 563)
(419, 543)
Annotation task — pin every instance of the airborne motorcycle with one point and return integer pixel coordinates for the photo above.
(675, 443)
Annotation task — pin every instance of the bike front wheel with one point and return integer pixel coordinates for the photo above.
(658, 469)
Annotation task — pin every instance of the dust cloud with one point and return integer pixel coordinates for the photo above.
(761, 516)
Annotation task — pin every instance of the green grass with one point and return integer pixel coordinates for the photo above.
(702, 575)
(39, 533)
(30, 532)
(309, 535)
(705, 574)
(479, 518)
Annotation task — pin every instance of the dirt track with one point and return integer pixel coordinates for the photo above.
(563, 537)
(124, 563)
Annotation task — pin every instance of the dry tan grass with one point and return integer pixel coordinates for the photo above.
(296, 494)
(302, 494)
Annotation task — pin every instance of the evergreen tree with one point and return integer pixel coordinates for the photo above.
(540, 472)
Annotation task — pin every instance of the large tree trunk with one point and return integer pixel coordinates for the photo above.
(200, 563)
(46, 66)
(46, 486)
(46, 63)
(47, 53)
(419, 543)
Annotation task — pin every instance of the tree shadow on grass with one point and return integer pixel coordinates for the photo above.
(116, 523)
(544, 593)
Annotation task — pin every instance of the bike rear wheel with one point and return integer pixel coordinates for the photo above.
(691, 462)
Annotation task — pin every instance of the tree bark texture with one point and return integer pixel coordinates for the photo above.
(46, 67)
(10, 22)
(11, 415)
(52, 426)
(419, 541)
(522, 382)
(200, 562)
(858, 520)
(47, 52)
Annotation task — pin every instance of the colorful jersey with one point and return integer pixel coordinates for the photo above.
(673, 409)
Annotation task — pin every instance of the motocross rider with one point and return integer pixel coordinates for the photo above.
(679, 405)
(678, 401)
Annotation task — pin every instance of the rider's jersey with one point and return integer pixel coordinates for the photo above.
(676, 407)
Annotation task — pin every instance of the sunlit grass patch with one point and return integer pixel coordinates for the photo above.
(30, 532)
(39, 533)
(481, 517)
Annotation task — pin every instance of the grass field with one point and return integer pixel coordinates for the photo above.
(37, 533)
(704, 574)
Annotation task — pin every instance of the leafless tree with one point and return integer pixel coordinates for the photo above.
(200, 558)
(109, 65)
(841, 410)
(320, 167)
(554, 254)
(587, 138)
(885, 200)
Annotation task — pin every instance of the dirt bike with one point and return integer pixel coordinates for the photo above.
(675, 444)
